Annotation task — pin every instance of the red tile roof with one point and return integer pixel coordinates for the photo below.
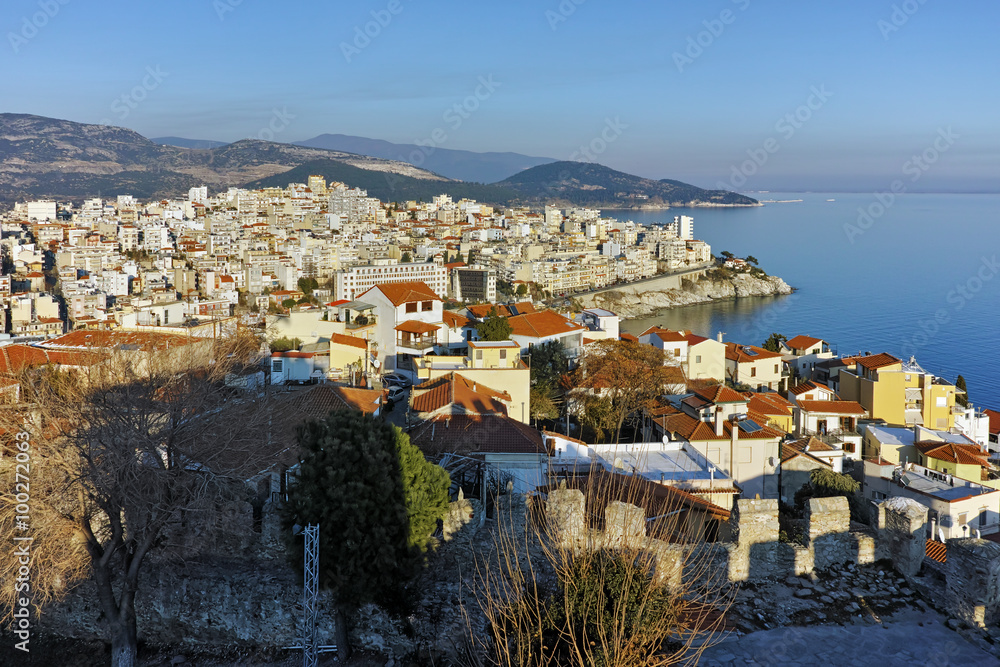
(720, 393)
(454, 320)
(994, 420)
(416, 327)
(341, 339)
(542, 324)
(692, 429)
(400, 293)
(15, 358)
(464, 395)
(954, 453)
(494, 434)
(802, 342)
(833, 407)
(809, 385)
(877, 361)
(738, 353)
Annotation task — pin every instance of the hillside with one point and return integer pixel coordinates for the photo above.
(47, 157)
(597, 186)
(388, 187)
(460, 165)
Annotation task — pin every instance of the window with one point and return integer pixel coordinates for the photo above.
(677, 351)
(503, 354)
(276, 365)
(982, 517)
(479, 355)
(427, 305)
(907, 377)
(941, 401)
(753, 371)
(849, 447)
(697, 359)
(963, 518)
(411, 307)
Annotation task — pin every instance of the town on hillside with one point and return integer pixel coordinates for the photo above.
(461, 324)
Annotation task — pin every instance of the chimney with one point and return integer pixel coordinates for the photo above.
(718, 336)
(718, 421)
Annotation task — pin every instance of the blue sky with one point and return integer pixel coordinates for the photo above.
(695, 90)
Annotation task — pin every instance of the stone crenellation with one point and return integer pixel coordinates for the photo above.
(972, 574)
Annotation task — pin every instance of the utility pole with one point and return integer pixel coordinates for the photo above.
(310, 595)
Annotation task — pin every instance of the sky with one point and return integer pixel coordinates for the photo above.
(749, 95)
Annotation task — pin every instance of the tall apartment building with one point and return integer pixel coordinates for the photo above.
(349, 283)
(476, 285)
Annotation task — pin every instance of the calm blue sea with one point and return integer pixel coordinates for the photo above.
(917, 276)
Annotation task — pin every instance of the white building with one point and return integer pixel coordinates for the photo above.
(348, 284)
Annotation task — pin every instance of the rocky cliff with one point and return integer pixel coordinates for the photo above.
(713, 286)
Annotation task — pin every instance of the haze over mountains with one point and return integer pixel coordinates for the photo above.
(45, 157)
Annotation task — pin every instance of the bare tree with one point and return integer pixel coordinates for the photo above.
(125, 450)
(600, 598)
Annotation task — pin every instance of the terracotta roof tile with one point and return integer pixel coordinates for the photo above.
(833, 407)
(542, 324)
(464, 395)
(875, 361)
(400, 293)
(341, 339)
(495, 434)
(748, 353)
(802, 342)
(936, 551)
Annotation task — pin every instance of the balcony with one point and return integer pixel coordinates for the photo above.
(417, 346)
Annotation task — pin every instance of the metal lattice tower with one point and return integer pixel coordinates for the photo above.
(310, 596)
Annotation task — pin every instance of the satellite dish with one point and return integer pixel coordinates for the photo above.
(666, 439)
(619, 463)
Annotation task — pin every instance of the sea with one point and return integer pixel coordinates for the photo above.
(914, 275)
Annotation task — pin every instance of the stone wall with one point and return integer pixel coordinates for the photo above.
(755, 552)
(973, 581)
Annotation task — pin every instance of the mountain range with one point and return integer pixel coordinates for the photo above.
(61, 159)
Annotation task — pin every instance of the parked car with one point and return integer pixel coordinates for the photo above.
(396, 394)
(396, 380)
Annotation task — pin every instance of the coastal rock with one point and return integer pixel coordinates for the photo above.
(634, 301)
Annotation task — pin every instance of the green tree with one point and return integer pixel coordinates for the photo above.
(726, 254)
(773, 342)
(494, 327)
(307, 285)
(961, 397)
(522, 289)
(458, 256)
(406, 258)
(284, 344)
(376, 500)
(288, 303)
(544, 401)
(752, 260)
(549, 363)
(825, 483)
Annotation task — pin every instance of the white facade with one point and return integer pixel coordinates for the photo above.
(348, 284)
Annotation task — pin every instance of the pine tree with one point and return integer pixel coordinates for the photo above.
(961, 397)
(376, 499)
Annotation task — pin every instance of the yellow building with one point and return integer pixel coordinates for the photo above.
(899, 392)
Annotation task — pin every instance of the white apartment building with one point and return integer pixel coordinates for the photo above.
(349, 283)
